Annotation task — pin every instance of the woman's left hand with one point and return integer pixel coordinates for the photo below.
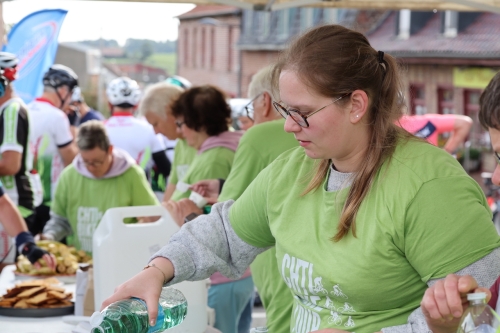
(444, 303)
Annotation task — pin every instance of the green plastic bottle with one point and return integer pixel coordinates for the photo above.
(131, 315)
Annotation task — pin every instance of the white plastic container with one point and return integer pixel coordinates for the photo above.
(121, 250)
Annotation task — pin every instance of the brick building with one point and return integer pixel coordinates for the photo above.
(448, 59)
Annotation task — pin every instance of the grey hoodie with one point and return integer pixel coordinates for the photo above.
(58, 227)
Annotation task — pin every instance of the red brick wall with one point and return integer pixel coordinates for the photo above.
(208, 54)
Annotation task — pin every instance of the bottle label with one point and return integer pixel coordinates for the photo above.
(159, 319)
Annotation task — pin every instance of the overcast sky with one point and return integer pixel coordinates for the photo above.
(109, 19)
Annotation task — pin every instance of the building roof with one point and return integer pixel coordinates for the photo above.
(480, 40)
(209, 10)
(79, 47)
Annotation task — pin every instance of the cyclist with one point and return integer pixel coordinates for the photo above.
(13, 226)
(15, 157)
(51, 138)
(133, 135)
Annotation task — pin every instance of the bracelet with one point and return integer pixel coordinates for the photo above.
(158, 268)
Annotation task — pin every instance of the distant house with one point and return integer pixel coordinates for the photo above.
(84, 60)
(449, 58)
(143, 74)
(113, 52)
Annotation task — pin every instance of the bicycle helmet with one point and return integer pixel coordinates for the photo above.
(123, 91)
(60, 75)
(8, 63)
(179, 81)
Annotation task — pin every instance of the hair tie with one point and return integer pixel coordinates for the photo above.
(380, 57)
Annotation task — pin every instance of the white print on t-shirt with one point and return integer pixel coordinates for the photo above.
(338, 292)
(87, 220)
(318, 286)
(312, 297)
(182, 170)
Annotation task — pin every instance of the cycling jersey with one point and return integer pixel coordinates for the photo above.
(133, 135)
(14, 136)
(50, 131)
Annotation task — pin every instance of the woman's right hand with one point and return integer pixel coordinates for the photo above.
(209, 189)
(444, 303)
(146, 285)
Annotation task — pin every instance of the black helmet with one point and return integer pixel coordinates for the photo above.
(60, 75)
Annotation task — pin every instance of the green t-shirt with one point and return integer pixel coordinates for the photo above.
(183, 156)
(423, 219)
(211, 164)
(258, 148)
(83, 201)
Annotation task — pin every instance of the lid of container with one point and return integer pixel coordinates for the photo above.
(96, 319)
(476, 296)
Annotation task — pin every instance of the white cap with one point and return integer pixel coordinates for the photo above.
(476, 296)
(96, 320)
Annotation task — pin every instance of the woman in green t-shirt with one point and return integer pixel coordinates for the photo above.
(364, 217)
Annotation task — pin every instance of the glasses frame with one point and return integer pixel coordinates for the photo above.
(249, 107)
(179, 123)
(498, 157)
(96, 163)
(285, 113)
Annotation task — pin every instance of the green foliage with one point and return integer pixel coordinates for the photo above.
(146, 50)
(166, 61)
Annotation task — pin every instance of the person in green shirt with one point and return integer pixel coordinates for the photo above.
(100, 177)
(364, 216)
(155, 106)
(254, 154)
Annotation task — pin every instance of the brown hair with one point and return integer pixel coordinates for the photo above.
(92, 134)
(489, 104)
(334, 61)
(203, 107)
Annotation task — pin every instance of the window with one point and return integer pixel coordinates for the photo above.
(212, 48)
(446, 104)
(306, 18)
(186, 48)
(203, 47)
(230, 47)
(194, 54)
(417, 95)
(282, 25)
(478, 136)
(330, 15)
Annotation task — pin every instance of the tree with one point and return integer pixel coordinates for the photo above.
(147, 49)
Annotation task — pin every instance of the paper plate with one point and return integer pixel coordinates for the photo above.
(37, 313)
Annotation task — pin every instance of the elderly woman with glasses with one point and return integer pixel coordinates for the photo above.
(364, 216)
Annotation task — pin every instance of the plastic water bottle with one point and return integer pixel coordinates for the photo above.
(479, 316)
(259, 330)
(131, 315)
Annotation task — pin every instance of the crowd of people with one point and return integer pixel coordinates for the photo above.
(328, 199)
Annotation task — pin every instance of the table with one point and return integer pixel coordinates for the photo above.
(30, 325)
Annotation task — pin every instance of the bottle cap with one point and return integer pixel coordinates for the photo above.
(198, 199)
(476, 296)
(96, 319)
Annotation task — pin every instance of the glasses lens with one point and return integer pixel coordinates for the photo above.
(249, 111)
(282, 111)
(298, 118)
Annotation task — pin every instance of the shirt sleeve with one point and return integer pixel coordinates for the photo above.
(248, 215)
(246, 166)
(61, 131)
(142, 195)
(430, 227)
(443, 122)
(174, 178)
(15, 129)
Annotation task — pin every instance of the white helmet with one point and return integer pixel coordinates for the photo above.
(123, 90)
(8, 60)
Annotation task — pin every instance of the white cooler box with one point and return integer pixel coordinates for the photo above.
(121, 250)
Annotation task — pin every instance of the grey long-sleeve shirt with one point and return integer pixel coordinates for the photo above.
(209, 244)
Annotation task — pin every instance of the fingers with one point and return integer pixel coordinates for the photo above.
(50, 260)
(152, 304)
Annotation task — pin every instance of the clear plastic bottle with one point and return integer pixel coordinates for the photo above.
(131, 315)
(479, 316)
(259, 330)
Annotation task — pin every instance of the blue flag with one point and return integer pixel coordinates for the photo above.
(34, 41)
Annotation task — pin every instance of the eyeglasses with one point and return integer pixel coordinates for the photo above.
(498, 157)
(297, 116)
(95, 163)
(179, 123)
(249, 107)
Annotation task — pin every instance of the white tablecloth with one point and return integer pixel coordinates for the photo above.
(30, 325)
